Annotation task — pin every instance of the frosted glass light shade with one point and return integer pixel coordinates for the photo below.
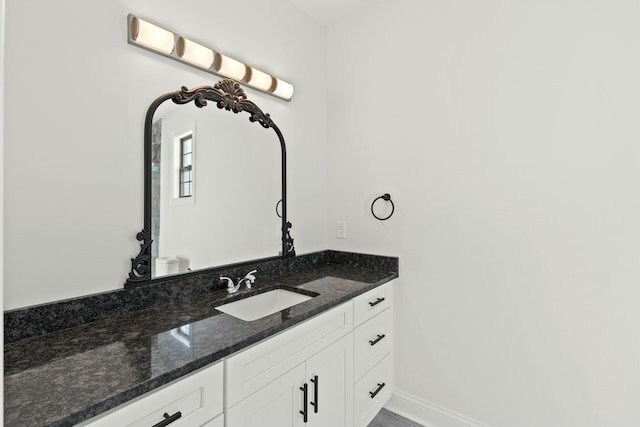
(149, 35)
(229, 67)
(283, 90)
(260, 80)
(195, 53)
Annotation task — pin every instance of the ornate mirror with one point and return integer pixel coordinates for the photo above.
(214, 185)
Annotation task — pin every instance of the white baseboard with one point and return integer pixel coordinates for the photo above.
(426, 413)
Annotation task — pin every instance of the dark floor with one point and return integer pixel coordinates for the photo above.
(387, 418)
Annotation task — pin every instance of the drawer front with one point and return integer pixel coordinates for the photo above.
(372, 341)
(372, 391)
(374, 302)
(197, 398)
(253, 368)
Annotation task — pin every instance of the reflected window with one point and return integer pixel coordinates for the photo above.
(186, 166)
(183, 334)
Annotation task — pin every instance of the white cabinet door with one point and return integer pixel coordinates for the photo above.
(252, 369)
(278, 404)
(328, 377)
(330, 384)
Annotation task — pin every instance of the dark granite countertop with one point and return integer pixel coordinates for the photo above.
(64, 377)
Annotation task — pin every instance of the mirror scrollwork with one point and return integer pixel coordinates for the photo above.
(165, 182)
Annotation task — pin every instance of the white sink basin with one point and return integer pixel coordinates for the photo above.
(263, 304)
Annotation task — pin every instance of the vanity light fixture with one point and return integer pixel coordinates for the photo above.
(155, 38)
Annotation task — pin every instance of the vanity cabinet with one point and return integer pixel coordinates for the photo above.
(304, 373)
(192, 401)
(266, 383)
(319, 390)
(373, 355)
(335, 369)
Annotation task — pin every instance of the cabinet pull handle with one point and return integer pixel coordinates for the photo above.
(377, 340)
(314, 380)
(305, 396)
(380, 387)
(376, 302)
(168, 419)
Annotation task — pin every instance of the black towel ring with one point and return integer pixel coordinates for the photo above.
(385, 197)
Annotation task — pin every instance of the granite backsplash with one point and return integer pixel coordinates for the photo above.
(56, 316)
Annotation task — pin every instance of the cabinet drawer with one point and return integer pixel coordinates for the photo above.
(372, 391)
(253, 368)
(369, 304)
(372, 341)
(197, 397)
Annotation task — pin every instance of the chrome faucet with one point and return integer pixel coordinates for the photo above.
(248, 280)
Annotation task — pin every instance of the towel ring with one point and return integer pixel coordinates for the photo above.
(386, 197)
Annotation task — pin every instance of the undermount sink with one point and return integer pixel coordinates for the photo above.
(263, 304)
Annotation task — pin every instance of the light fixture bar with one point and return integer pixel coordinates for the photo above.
(154, 38)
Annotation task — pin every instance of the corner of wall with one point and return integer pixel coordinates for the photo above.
(2, 26)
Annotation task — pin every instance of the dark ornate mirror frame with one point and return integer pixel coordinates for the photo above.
(228, 95)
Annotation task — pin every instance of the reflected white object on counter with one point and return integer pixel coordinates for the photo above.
(167, 265)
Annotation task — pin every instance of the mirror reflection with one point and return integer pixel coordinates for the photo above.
(216, 181)
(214, 184)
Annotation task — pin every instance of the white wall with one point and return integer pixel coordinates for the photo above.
(78, 94)
(507, 134)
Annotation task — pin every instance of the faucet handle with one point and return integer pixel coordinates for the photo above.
(230, 284)
(251, 276)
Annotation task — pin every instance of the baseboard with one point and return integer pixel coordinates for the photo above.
(426, 413)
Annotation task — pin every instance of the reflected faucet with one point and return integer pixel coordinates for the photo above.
(248, 280)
